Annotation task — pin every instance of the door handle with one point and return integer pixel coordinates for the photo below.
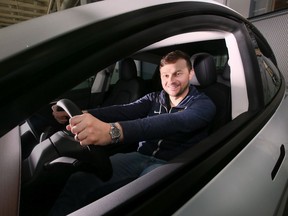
(278, 162)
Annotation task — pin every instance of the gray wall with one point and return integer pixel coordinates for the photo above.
(241, 6)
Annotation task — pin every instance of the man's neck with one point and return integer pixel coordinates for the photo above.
(174, 101)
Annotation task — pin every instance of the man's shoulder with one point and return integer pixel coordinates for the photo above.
(155, 95)
(197, 95)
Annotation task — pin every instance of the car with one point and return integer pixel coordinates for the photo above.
(70, 56)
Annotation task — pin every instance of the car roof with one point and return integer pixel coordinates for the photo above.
(22, 36)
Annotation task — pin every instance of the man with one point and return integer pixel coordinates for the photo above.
(164, 124)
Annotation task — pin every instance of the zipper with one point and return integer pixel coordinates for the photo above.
(160, 141)
(158, 148)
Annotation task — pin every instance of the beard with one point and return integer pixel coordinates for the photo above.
(177, 90)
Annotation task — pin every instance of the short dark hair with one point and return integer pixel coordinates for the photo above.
(174, 56)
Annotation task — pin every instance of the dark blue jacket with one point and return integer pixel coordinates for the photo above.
(162, 131)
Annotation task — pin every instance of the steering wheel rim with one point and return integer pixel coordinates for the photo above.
(94, 159)
(69, 107)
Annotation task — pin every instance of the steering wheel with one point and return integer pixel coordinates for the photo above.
(69, 107)
(91, 159)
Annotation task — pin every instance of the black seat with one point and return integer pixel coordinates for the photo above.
(205, 80)
(156, 80)
(128, 88)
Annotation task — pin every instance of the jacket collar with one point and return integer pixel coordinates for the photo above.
(164, 97)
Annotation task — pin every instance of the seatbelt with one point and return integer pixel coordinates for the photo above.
(105, 82)
(107, 73)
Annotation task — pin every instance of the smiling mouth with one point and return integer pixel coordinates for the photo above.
(173, 88)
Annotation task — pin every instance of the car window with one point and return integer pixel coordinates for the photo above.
(85, 84)
(270, 75)
(145, 70)
(221, 61)
(270, 78)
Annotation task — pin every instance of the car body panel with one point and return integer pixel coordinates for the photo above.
(42, 29)
(10, 169)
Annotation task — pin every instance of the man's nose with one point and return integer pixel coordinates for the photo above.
(171, 79)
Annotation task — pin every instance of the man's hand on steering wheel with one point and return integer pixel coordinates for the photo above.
(86, 128)
(89, 130)
(92, 158)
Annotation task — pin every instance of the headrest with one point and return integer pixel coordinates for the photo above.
(127, 69)
(204, 68)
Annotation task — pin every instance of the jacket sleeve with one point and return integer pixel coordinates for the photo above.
(198, 115)
(135, 110)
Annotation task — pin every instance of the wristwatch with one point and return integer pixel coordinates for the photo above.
(114, 133)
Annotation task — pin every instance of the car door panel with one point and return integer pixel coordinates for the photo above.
(10, 164)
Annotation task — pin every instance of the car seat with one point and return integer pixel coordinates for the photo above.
(205, 80)
(128, 88)
(156, 80)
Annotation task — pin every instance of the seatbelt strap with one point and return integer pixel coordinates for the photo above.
(105, 82)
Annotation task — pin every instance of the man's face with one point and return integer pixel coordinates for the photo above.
(175, 78)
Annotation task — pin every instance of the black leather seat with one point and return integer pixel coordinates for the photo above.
(156, 80)
(128, 88)
(206, 81)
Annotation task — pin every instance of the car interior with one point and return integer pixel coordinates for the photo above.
(45, 155)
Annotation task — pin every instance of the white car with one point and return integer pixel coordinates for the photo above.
(240, 169)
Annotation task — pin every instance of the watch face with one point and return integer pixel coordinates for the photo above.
(114, 133)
